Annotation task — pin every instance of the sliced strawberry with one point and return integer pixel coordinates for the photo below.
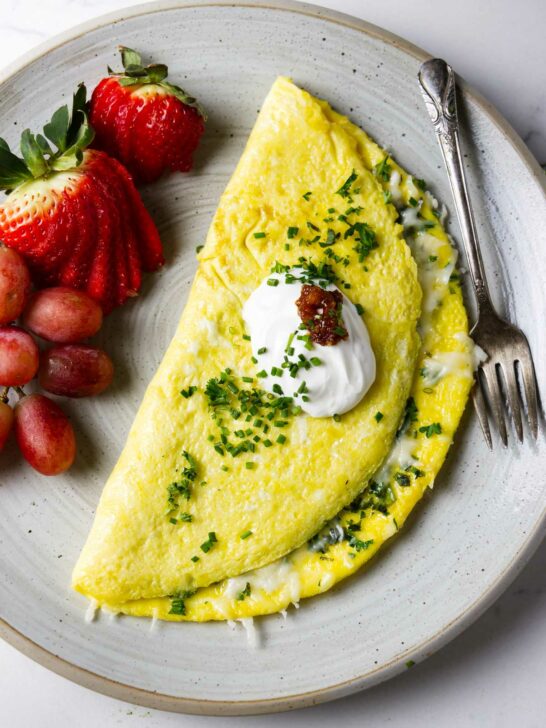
(75, 272)
(150, 247)
(129, 240)
(76, 215)
(150, 125)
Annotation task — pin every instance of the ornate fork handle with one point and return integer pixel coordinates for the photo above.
(438, 87)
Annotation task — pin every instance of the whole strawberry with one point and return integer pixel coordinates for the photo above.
(74, 213)
(148, 124)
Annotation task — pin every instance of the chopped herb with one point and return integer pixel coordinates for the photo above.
(187, 393)
(195, 559)
(262, 350)
(413, 202)
(378, 416)
(420, 183)
(281, 439)
(306, 196)
(359, 545)
(402, 479)
(432, 258)
(244, 593)
(315, 361)
(365, 239)
(177, 607)
(246, 337)
(209, 543)
(383, 169)
(292, 232)
(410, 663)
(246, 534)
(262, 374)
(259, 235)
(359, 309)
(433, 429)
(311, 226)
(337, 418)
(345, 189)
(249, 380)
(415, 471)
(186, 517)
(199, 248)
(273, 282)
(249, 465)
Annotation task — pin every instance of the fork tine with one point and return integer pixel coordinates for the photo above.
(527, 373)
(511, 385)
(481, 411)
(489, 372)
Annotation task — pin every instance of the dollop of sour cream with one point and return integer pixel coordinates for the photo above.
(346, 370)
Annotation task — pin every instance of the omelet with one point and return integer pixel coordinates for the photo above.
(442, 380)
(217, 478)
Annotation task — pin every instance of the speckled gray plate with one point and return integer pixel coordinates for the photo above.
(462, 546)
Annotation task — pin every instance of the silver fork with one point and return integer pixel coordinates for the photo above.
(508, 354)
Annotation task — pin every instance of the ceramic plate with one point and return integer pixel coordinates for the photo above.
(464, 543)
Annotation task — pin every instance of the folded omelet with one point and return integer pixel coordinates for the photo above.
(216, 478)
(441, 384)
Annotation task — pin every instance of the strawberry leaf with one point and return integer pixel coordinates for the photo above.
(32, 154)
(130, 58)
(57, 129)
(44, 145)
(13, 170)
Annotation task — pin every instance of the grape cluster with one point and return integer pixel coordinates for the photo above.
(64, 317)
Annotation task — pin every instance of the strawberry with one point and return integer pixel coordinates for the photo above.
(148, 124)
(74, 213)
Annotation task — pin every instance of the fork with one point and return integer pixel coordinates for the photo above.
(508, 362)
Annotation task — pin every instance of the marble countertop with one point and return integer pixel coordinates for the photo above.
(492, 676)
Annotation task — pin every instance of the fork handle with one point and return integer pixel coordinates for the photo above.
(438, 87)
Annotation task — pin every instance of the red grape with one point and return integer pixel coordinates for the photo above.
(14, 285)
(19, 356)
(62, 315)
(74, 370)
(6, 422)
(44, 434)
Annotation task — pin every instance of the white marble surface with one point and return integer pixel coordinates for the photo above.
(492, 676)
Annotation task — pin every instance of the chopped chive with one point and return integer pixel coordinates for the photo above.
(246, 534)
(267, 443)
(209, 543)
(195, 559)
(359, 309)
(292, 232)
(198, 249)
(249, 465)
(249, 380)
(306, 196)
(337, 418)
(186, 393)
(259, 235)
(262, 350)
(315, 361)
(378, 416)
(273, 282)
(262, 374)
(413, 202)
(281, 439)
(246, 337)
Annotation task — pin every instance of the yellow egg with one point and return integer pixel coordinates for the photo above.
(440, 388)
(169, 522)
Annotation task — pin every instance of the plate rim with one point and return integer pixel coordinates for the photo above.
(173, 703)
